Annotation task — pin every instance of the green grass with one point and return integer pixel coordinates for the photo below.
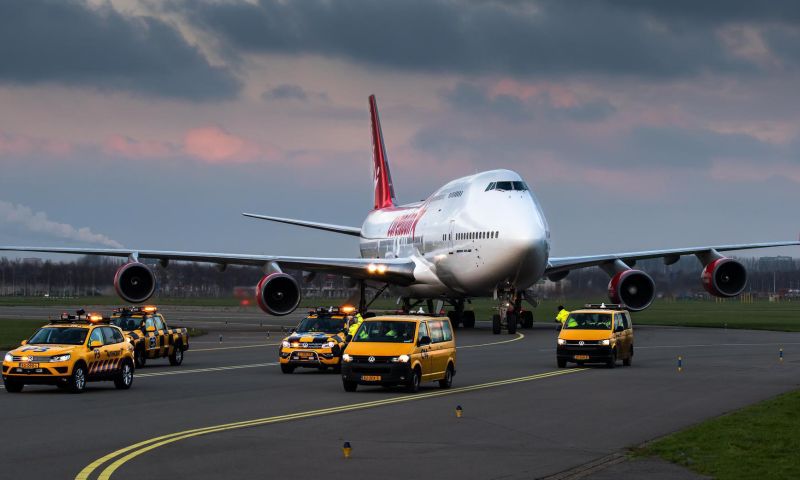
(13, 331)
(761, 441)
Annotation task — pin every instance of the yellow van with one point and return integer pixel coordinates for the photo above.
(400, 350)
(598, 334)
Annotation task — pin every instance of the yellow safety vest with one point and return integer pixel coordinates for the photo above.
(562, 316)
(355, 325)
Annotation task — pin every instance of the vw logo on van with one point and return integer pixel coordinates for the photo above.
(371, 359)
(580, 343)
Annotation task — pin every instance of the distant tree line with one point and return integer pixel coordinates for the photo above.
(90, 276)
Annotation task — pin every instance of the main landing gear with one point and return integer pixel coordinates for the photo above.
(510, 314)
(458, 316)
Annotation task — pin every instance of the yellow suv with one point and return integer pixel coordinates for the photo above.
(400, 350)
(598, 334)
(70, 352)
(318, 341)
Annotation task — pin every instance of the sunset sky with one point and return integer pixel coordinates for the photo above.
(639, 124)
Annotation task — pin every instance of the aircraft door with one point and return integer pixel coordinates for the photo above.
(451, 236)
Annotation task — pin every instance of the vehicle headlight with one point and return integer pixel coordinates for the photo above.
(401, 359)
(328, 344)
(606, 342)
(561, 341)
(295, 344)
(9, 357)
(60, 358)
(285, 344)
(347, 358)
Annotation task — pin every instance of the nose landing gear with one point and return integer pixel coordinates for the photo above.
(510, 314)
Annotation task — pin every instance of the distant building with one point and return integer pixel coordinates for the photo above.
(776, 264)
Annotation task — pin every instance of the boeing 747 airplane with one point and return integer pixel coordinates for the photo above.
(482, 235)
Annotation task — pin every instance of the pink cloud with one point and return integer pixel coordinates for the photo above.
(129, 147)
(738, 171)
(215, 145)
(11, 144)
(558, 95)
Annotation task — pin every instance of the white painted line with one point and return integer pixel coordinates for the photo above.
(203, 370)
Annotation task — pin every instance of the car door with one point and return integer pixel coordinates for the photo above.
(112, 350)
(424, 351)
(438, 350)
(151, 344)
(619, 335)
(94, 360)
(163, 338)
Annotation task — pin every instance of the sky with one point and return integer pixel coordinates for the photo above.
(639, 124)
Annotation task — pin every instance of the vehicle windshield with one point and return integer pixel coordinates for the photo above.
(59, 335)
(126, 323)
(386, 331)
(588, 321)
(323, 325)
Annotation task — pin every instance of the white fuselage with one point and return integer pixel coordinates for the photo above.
(465, 240)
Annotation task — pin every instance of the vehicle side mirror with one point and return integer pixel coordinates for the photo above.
(150, 328)
(426, 340)
(24, 342)
(619, 328)
(292, 330)
(95, 344)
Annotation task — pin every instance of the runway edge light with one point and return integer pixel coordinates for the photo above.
(680, 363)
(459, 411)
(780, 355)
(347, 449)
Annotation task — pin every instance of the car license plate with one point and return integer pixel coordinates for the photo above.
(28, 366)
(581, 357)
(370, 378)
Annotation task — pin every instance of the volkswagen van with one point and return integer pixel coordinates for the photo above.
(402, 350)
(597, 334)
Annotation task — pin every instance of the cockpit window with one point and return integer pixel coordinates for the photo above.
(507, 186)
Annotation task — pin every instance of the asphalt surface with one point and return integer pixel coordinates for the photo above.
(523, 417)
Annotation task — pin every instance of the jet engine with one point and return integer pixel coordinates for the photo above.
(278, 294)
(134, 282)
(724, 277)
(632, 288)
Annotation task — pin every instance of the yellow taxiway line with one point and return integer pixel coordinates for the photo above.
(123, 455)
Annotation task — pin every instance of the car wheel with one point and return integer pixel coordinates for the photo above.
(412, 386)
(469, 319)
(612, 362)
(349, 386)
(511, 320)
(561, 363)
(12, 386)
(447, 381)
(77, 381)
(177, 355)
(139, 357)
(286, 368)
(124, 378)
(496, 324)
(626, 362)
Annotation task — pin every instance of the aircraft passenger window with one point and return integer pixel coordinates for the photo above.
(506, 186)
(497, 235)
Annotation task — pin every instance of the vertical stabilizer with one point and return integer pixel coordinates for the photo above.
(384, 190)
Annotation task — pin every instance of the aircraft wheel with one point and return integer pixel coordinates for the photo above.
(511, 320)
(496, 324)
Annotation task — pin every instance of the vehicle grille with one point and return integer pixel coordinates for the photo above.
(585, 342)
(365, 359)
(358, 369)
(17, 358)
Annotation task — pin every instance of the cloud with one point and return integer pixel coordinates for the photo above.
(130, 147)
(521, 104)
(37, 222)
(545, 38)
(215, 145)
(23, 145)
(68, 42)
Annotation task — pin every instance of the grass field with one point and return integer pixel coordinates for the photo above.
(761, 441)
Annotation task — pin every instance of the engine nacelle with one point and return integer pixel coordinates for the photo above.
(278, 294)
(632, 288)
(134, 282)
(724, 277)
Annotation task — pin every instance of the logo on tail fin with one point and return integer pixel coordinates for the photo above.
(384, 189)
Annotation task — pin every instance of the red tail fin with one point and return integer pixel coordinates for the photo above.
(384, 190)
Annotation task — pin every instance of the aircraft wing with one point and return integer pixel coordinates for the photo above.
(397, 271)
(565, 264)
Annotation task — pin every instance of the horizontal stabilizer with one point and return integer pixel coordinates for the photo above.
(355, 231)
